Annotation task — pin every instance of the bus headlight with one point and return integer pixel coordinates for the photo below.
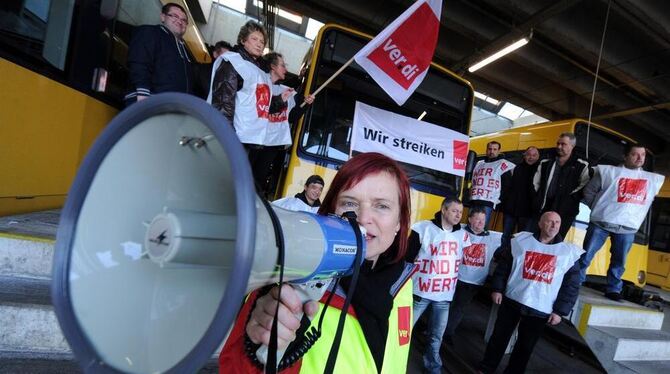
(641, 277)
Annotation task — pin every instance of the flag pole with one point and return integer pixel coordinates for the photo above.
(321, 87)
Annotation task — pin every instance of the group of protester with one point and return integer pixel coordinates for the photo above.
(434, 264)
(537, 275)
(244, 85)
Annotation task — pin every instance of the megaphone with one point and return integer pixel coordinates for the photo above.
(162, 235)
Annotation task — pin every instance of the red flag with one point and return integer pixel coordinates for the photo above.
(398, 58)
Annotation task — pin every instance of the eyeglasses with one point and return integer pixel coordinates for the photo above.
(177, 18)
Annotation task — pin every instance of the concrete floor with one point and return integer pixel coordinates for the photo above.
(665, 295)
(552, 355)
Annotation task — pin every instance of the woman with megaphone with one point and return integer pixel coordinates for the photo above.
(376, 332)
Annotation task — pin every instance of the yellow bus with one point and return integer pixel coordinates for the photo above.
(605, 146)
(63, 69)
(322, 137)
(658, 267)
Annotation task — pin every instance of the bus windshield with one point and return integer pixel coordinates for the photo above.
(327, 127)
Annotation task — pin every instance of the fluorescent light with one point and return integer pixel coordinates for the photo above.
(509, 49)
(486, 98)
(422, 115)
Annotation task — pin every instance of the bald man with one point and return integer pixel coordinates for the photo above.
(536, 282)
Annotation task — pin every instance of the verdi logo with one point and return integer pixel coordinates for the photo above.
(474, 255)
(404, 332)
(402, 56)
(632, 191)
(262, 100)
(539, 267)
(460, 154)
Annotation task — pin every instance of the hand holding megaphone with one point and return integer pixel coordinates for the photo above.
(291, 309)
(301, 300)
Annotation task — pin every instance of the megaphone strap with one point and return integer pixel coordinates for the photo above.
(335, 348)
(306, 336)
(271, 364)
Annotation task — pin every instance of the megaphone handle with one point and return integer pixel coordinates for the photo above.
(312, 290)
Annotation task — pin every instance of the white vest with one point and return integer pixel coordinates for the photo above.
(538, 270)
(252, 101)
(279, 130)
(439, 259)
(293, 203)
(625, 195)
(477, 258)
(486, 180)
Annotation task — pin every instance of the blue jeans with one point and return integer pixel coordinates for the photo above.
(620, 245)
(510, 223)
(437, 323)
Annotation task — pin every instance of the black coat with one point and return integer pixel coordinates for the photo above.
(518, 193)
(157, 62)
(567, 294)
(574, 176)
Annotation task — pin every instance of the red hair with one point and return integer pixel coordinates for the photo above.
(358, 168)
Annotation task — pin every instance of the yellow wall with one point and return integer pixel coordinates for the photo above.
(46, 129)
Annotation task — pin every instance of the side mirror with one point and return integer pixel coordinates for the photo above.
(469, 167)
(470, 164)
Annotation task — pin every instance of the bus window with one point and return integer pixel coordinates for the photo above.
(327, 127)
(604, 148)
(24, 26)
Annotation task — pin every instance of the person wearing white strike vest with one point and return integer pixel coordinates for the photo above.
(307, 200)
(539, 277)
(488, 178)
(474, 267)
(436, 247)
(241, 89)
(278, 134)
(619, 198)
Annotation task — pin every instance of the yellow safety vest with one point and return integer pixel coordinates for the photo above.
(354, 355)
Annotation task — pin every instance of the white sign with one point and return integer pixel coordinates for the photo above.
(409, 140)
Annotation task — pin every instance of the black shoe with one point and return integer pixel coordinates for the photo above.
(613, 296)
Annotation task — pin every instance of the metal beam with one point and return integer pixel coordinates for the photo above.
(632, 111)
(516, 31)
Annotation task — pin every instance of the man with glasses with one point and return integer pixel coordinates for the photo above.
(157, 57)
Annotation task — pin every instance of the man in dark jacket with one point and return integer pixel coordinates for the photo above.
(517, 193)
(157, 57)
(539, 276)
(559, 181)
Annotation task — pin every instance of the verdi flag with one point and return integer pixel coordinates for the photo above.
(398, 58)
